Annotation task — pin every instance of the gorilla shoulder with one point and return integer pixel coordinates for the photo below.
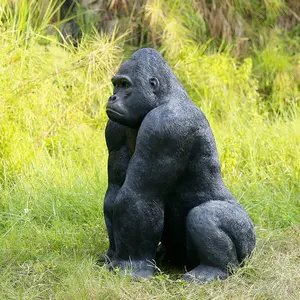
(169, 123)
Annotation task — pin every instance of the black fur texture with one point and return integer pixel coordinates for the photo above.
(164, 179)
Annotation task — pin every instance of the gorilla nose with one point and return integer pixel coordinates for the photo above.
(112, 98)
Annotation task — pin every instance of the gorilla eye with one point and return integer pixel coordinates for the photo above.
(121, 82)
(125, 84)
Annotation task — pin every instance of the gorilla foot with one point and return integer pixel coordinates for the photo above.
(204, 274)
(136, 268)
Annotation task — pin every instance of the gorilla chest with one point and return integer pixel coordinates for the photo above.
(131, 135)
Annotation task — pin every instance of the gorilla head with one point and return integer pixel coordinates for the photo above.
(142, 83)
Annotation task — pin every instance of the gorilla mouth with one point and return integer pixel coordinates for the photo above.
(113, 112)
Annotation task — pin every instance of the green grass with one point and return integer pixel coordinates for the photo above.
(53, 160)
(53, 234)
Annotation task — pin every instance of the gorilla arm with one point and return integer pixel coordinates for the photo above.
(119, 156)
(160, 156)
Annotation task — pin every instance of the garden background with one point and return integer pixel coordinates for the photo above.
(239, 60)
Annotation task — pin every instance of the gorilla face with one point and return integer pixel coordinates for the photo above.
(132, 97)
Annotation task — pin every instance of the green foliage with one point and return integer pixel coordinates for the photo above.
(26, 20)
(277, 67)
(221, 86)
(53, 154)
(52, 102)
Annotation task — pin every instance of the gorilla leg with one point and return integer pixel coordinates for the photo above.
(220, 235)
(109, 199)
(138, 226)
(119, 157)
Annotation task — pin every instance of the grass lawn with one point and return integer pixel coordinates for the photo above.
(52, 238)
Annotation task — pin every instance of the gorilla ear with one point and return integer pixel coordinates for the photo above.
(154, 82)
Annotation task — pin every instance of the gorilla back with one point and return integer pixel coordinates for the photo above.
(164, 179)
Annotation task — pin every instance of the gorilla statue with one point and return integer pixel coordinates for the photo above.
(165, 188)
